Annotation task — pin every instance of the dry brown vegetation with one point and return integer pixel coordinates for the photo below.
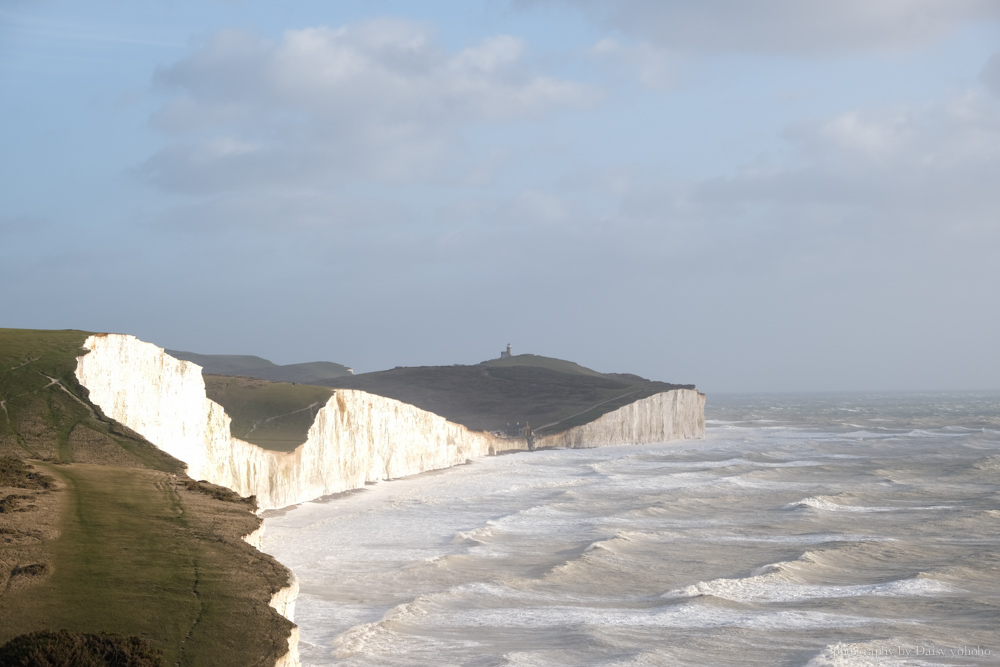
(78, 649)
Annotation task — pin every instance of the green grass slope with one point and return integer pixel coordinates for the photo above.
(45, 413)
(258, 367)
(120, 540)
(272, 415)
(141, 554)
(552, 395)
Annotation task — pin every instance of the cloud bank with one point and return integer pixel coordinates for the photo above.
(323, 106)
(784, 27)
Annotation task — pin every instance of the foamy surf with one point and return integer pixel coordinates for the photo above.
(821, 503)
(773, 587)
(684, 554)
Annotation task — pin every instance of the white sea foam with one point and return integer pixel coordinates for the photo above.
(672, 616)
(824, 504)
(821, 503)
(774, 587)
(563, 557)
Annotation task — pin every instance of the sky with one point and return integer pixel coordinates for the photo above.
(748, 195)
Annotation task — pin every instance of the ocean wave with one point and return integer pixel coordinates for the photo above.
(808, 538)
(670, 616)
(865, 434)
(988, 463)
(605, 544)
(937, 433)
(821, 503)
(475, 536)
(774, 586)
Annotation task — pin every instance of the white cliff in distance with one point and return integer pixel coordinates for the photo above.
(356, 438)
(669, 415)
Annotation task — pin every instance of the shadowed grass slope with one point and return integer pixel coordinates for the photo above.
(552, 395)
(272, 415)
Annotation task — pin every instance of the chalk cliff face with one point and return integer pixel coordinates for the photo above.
(671, 415)
(283, 602)
(356, 437)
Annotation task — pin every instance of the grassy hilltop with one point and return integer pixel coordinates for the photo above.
(552, 395)
(272, 415)
(101, 532)
(313, 372)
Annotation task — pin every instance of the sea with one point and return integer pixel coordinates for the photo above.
(808, 529)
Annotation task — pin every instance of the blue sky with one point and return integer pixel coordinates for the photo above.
(748, 195)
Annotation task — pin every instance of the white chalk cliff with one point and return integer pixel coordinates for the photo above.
(356, 437)
(670, 415)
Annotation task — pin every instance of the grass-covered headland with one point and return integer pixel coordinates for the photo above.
(109, 554)
(272, 415)
(552, 395)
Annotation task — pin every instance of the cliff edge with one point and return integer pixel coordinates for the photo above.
(356, 437)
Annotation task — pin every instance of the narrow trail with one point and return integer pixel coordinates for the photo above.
(14, 368)
(201, 613)
(52, 381)
(560, 421)
(269, 419)
(76, 398)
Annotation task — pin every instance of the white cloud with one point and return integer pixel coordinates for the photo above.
(323, 105)
(785, 26)
(491, 55)
(907, 189)
(654, 67)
